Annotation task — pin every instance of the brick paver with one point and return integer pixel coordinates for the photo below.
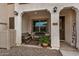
(29, 51)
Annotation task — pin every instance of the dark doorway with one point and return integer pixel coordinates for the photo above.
(11, 23)
(62, 28)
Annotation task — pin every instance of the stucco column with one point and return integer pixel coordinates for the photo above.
(55, 42)
(18, 25)
(18, 29)
(77, 28)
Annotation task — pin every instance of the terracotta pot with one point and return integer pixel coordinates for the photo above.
(44, 44)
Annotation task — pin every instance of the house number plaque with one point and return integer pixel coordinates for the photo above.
(55, 23)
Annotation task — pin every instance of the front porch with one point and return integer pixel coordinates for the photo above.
(35, 24)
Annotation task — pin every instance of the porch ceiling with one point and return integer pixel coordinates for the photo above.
(37, 14)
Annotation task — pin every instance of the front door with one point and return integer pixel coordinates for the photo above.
(62, 28)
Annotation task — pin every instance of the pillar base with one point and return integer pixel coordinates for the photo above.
(18, 44)
(57, 48)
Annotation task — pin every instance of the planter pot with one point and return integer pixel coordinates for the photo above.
(44, 44)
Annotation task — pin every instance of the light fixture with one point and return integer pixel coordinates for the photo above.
(55, 9)
(15, 13)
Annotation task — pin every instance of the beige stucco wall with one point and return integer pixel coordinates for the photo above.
(3, 12)
(10, 12)
(6, 11)
(7, 37)
(55, 41)
(3, 16)
(25, 24)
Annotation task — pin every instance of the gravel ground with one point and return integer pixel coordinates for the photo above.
(29, 51)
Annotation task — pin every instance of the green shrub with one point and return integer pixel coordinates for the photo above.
(44, 39)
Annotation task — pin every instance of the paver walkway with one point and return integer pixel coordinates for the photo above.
(67, 50)
(29, 51)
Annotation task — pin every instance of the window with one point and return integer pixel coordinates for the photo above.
(11, 23)
(40, 26)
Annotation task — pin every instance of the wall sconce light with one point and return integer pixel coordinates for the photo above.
(15, 13)
(55, 9)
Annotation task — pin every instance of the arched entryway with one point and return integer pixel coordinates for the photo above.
(32, 24)
(67, 27)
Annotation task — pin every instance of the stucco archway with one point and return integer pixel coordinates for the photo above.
(69, 14)
(39, 14)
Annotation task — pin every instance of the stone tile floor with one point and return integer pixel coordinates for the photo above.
(29, 51)
(67, 50)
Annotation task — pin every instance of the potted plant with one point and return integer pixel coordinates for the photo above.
(44, 41)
